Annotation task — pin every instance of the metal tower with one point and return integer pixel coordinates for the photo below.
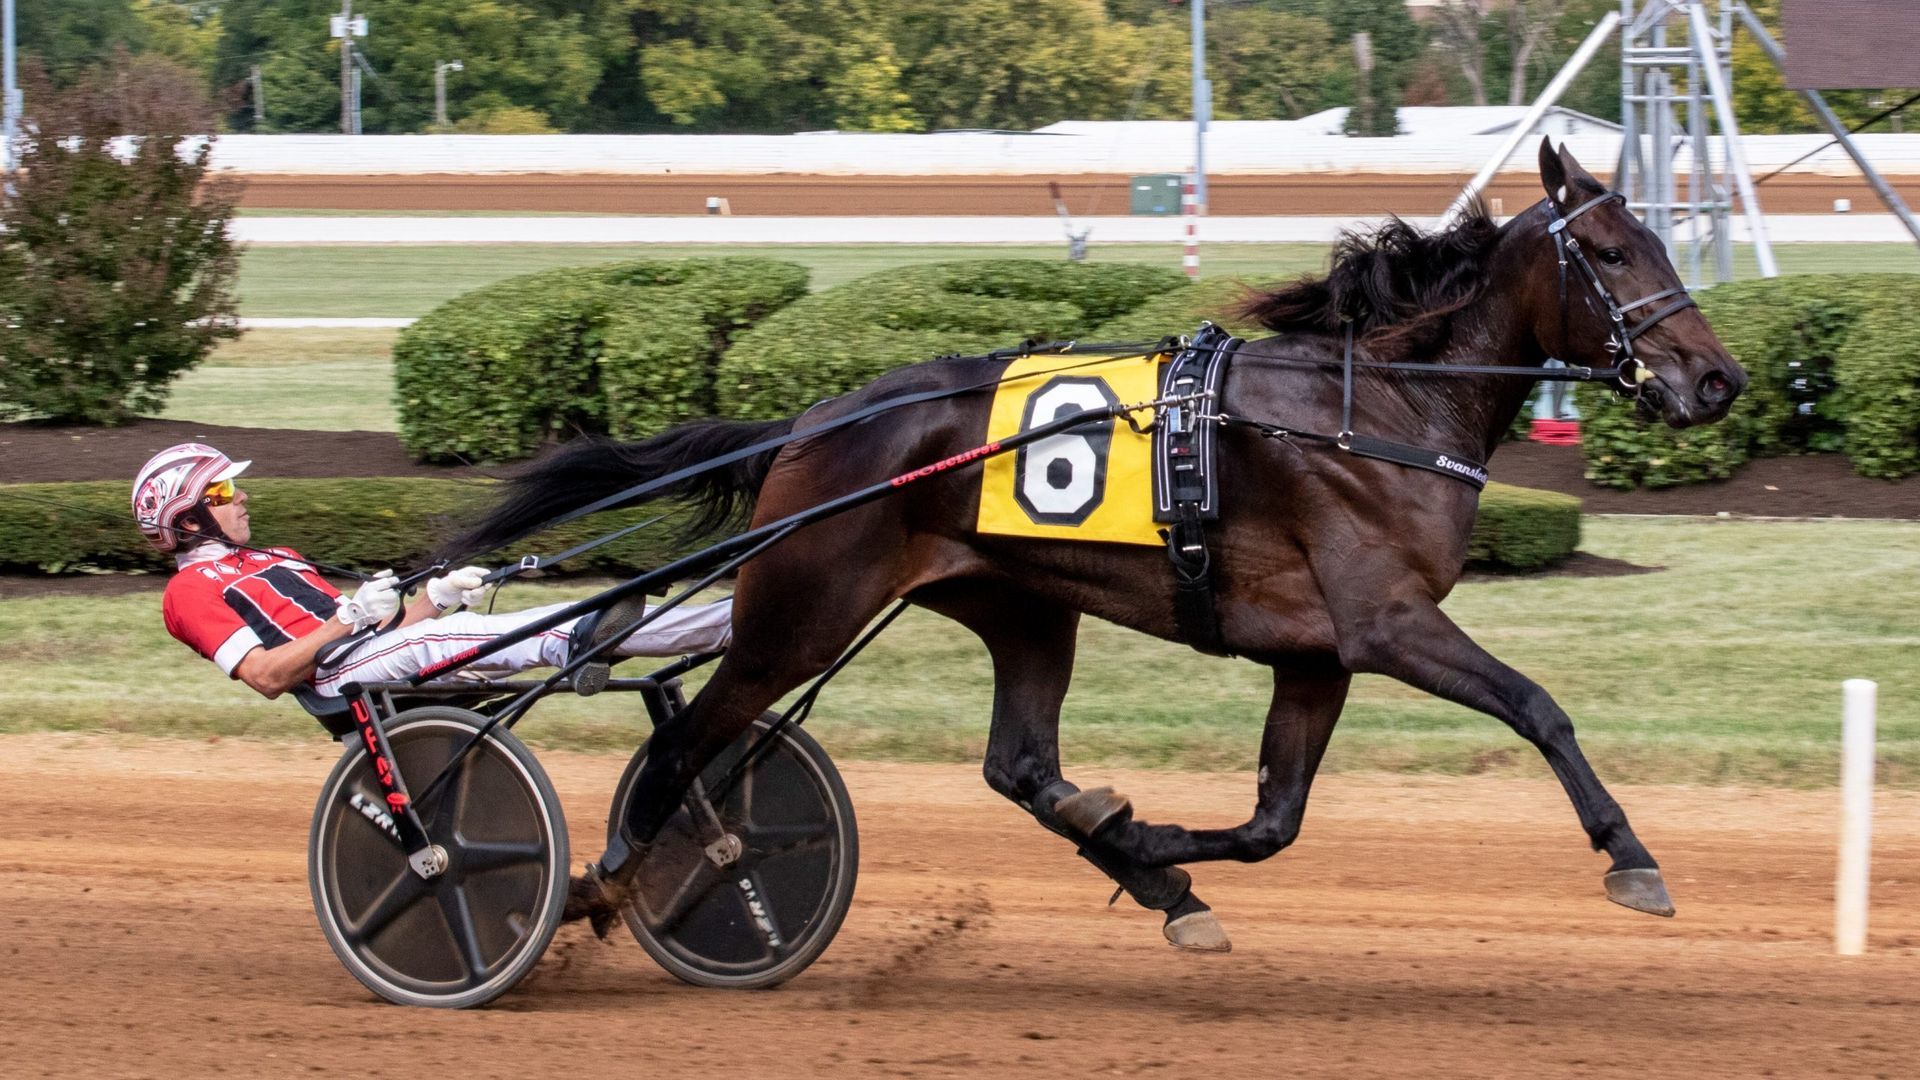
(1674, 63)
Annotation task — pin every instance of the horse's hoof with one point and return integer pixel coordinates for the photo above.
(1199, 932)
(1641, 890)
(1090, 811)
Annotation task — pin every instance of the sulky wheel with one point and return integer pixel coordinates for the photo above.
(469, 934)
(746, 893)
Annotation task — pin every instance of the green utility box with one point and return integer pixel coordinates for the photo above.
(1155, 194)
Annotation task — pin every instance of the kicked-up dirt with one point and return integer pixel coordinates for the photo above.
(154, 921)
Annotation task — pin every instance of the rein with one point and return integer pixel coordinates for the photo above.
(1108, 353)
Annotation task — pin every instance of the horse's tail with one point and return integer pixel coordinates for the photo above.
(592, 468)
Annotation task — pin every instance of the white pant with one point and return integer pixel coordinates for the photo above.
(689, 628)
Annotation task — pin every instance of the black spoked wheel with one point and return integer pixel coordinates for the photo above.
(746, 891)
(469, 934)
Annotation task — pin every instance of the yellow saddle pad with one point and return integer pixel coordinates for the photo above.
(1084, 486)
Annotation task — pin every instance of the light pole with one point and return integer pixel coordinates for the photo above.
(1202, 102)
(439, 89)
(11, 129)
(345, 27)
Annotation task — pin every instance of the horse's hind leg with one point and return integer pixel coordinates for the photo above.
(790, 624)
(1308, 695)
(1032, 645)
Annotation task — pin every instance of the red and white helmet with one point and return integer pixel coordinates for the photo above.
(173, 482)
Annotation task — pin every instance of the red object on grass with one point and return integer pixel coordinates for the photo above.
(1556, 432)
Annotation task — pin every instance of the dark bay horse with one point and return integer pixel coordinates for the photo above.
(1326, 563)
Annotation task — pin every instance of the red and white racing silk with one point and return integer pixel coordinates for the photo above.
(223, 607)
(223, 604)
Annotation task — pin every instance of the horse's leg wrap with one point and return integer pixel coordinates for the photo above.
(1159, 888)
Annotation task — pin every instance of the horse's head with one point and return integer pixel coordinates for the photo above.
(1620, 298)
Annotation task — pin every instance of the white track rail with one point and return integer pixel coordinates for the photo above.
(1808, 228)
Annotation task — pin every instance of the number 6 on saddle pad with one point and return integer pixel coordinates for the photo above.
(1092, 485)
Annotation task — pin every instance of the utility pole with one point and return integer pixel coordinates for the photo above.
(1202, 102)
(11, 129)
(1363, 60)
(440, 89)
(345, 27)
(344, 32)
(259, 100)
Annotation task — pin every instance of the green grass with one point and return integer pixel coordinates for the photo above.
(400, 281)
(320, 395)
(1724, 667)
(274, 347)
(323, 380)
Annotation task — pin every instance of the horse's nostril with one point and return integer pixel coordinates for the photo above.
(1715, 387)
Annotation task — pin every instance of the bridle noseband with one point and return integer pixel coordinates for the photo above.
(1621, 342)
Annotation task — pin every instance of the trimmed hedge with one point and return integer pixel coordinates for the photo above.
(1523, 529)
(1179, 311)
(1846, 340)
(625, 349)
(840, 339)
(369, 524)
(361, 524)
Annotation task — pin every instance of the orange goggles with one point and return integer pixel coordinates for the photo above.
(220, 493)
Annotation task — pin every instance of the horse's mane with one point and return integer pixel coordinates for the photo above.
(1399, 285)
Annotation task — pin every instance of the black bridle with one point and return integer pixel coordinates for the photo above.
(1626, 364)
(1626, 374)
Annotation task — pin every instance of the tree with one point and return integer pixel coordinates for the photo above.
(1267, 64)
(516, 54)
(1530, 24)
(866, 89)
(1596, 91)
(1397, 44)
(69, 38)
(1458, 29)
(514, 57)
(184, 31)
(114, 247)
(1023, 63)
(299, 64)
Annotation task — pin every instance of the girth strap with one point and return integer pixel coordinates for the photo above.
(1186, 485)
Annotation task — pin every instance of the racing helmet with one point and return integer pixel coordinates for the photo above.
(173, 485)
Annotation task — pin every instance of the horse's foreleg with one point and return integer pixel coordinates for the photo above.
(1421, 647)
(1307, 698)
(1031, 643)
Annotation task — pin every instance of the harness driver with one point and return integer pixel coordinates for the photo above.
(265, 615)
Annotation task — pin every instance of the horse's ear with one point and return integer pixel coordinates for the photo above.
(1553, 173)
(1576, 176)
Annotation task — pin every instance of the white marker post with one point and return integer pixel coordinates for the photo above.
(1856, 818)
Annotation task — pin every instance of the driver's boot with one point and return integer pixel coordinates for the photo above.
(594, 628)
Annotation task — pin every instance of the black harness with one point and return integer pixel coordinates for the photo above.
(1185, 481)
(1186, 487)
(1185, 477)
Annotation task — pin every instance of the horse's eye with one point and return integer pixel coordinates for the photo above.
(1612, 256)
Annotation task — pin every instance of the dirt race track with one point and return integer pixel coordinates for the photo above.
(156, 923)
(956, 195)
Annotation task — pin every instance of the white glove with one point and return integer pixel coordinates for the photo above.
(467, 585)
(373, 602)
